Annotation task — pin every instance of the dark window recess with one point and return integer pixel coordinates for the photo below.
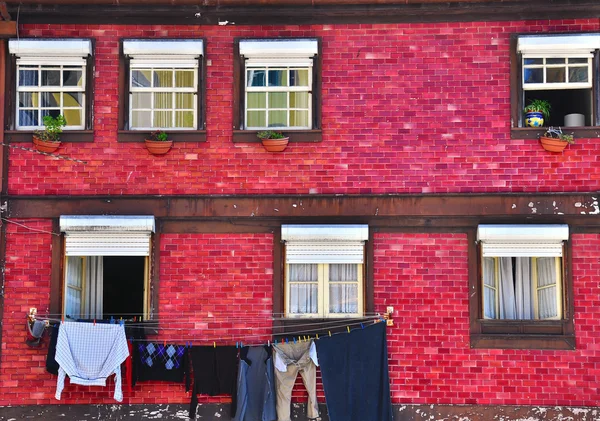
(564, 101)
(123, 286)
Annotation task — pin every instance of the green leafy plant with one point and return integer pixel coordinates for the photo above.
(556, 133)
(159, 136)
(270, 134)
(539, 106)
(53, 127)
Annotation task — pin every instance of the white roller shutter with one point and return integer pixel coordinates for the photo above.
(324, 243)
(107, 235)
(522, 240)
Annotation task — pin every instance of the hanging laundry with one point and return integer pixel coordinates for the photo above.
(51, 364)
(35, 331)
(215, 370)
(256, 385)
(291, 359)
(159, 361)
(354, 369)
(89, 353)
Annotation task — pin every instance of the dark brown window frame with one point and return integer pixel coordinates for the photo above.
(249, 136)
(284, 326)
(519, 334)
(57, 273)
(126, 135)
(517, 130)
(10, 101)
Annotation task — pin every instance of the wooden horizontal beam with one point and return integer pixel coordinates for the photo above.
(293, 13)
(8, 29)
(583, 206)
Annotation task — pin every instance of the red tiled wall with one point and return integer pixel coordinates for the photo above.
(424, 276)
(407, 108)
(213, 288)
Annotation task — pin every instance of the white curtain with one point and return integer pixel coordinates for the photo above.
(94, 291)
(74, 286)
(343, 288)
(303, 284)
(514, 288)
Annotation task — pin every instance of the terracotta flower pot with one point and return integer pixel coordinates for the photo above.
(275, 145)
(553, 145)
(44, 145)
(157, 147)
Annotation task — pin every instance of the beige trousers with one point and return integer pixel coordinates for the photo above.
(297, 359)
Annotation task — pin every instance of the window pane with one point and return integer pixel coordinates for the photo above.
(278, 78)
(304, 272)
(50, 99)
(73, 307)
(555, 75)
(163, 78)
(578, 74)
(578, 60)
(547, 303)
(277, 99)
(489, 284)
(299, 77)
(257, 78)
(257, 119)
(555, 60)
(163, 119)
(257, 100)
(163, 100)
(343, 298)
(74, 271)
(72, 78)
(73, 117)
(28, 78)
(50, 77)
(277, 118)
(298, 118)
(298, 99)
(184, 119)
(527, 61)
(343, 273)
(141, 100)
(28, 99)
(53, 112)
(72, 99)
(141, 78)
(141, 119)
(184, 79)
(489, 308)
(28, 118)
(533, 76)
(184, 101)
(304, 299)
(546, 269)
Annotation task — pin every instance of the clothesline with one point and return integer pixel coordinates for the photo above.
(178, 315)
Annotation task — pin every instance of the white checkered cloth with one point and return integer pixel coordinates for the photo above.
(88, 353)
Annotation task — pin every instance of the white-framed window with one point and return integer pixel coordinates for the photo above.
(559, 69)
(50, 80)
(278, 83)
(324, 270)
(163, 83)
(522, 271)
(107, 266)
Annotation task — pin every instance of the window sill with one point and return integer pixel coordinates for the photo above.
(249, 136)
(534, 132)
(175, 135)
(514, 341)
(68, 136)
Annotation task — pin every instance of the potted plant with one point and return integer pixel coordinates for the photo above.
(48, 140)
(536, 112)
(159, 143)
(273, 141)
(554, 140)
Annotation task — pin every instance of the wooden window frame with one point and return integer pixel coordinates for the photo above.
(518, 130)
(241, 135)
(519, 334)
(177, 135)
(10, 100)
(283, 326)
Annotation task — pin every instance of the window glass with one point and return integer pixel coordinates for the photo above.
(304, 289)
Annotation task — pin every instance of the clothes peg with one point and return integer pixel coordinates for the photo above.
(317, 335)
(165, 343)
(214, 344)
(286, 340)
(294, 339)
(237, 345)
(275, 342)
(241, 344)
(348, 327)
(361, 325)
(112, 320)
(94, 322)
(268, 343)
(330, 333)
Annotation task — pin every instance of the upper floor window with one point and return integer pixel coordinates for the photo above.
(51, 79)
(561, 70)
(279, 86)
(522, 280)
(324, 267)
(163, 81)
(107, 266)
